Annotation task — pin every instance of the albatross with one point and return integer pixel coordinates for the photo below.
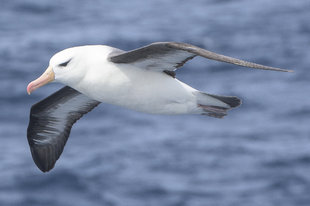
(142, 79)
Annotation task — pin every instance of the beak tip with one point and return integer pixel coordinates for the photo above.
(29, 88)
(46, 77)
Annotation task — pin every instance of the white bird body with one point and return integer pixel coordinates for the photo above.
(129, 86)
(134, 88)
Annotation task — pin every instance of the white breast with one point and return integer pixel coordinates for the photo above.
(137, 89)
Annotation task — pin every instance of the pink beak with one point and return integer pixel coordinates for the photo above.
(46, 77)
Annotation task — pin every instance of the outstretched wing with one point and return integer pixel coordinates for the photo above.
(168, 56)
(50, 124)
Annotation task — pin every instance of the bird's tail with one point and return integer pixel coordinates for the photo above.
(215, 105)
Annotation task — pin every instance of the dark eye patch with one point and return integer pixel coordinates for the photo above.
(65, 63)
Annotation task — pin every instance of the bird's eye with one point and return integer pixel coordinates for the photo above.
(65, 63)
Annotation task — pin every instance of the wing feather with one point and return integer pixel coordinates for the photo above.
(162, 56)
(50, 124)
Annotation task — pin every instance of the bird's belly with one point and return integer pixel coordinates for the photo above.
(144, 91)
(149, 99)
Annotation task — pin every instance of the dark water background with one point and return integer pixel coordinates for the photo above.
(258, 155)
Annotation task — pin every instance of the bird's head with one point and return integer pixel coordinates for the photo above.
(63, 67)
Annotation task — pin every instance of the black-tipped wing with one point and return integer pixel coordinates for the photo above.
(50, 124)
(172, 55)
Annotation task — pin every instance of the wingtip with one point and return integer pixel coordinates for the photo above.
(263, 67)
(44, 167)
(40, 158)
(285, 70)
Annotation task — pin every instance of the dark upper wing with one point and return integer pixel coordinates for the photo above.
(172, 55)
(50, 124)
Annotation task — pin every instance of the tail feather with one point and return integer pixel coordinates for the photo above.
(213, 111)
(215, 105)
(230, 100)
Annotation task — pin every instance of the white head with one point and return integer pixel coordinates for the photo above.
(67, 66)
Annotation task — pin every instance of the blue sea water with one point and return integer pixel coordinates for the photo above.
(258, 155)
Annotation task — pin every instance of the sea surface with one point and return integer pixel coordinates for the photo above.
(258, 155)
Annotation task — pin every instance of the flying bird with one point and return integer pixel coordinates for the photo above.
(142, 79)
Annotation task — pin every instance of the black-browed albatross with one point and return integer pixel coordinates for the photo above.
(142, 79)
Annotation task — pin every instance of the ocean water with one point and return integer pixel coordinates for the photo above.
(258, 155)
